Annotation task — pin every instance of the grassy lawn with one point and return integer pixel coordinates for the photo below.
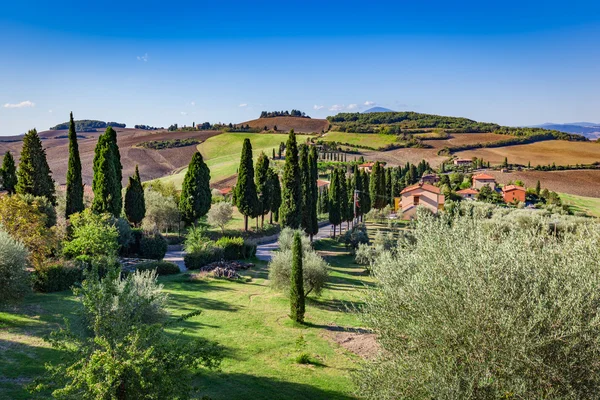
(588, 205)
(373, 140)
(249, 319)
(222, 153)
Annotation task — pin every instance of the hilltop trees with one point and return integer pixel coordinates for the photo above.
(34, 175)
(245, 196)
(195, 192)
(8, 173)
(135, 205)
(107, 175)
(291, 196)
(263, 187)
(74, 197)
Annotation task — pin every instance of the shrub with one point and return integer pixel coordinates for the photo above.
(200, 258)
(233, 247)
(355, 237)
(14, 279)
(286, 239)
(196, 239)
(93, 235)
(125, 232)
(153, 246)
(161, 267)
(303, 358)
(483, 308)
(56, 277)
(314, 271)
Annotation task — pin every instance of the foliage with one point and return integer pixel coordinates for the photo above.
(196, 239)
(161, 267)
(204, 256)
(92, 235)
(135, 206)
(162, 213)
(291, 195)
(355, 236)
(87, 125)
(8, 173)
(245, 189)
(74, 192)
(297, 302)
(107, 175)
(195, 193)
(34, 175)
(57, 276)
(313, 175)
(334, 204)
(314, 271)
(286, 240)
(14, 279)
(293, 113)
(487, 303)
(263, 187)
(153, 246)
(169, 144)
(220, 214)
(276, 193)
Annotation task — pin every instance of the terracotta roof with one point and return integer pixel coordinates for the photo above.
(467, 191)
(508, 188)
(483, 177)
(423, 186)
(321, 183)
(366, 165)
(225, 191)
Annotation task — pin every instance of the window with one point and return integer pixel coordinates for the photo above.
(416, 200)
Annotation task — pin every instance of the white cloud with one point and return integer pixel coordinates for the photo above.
(22, 104)
(243, 105)
(369, 103)
(193, 103)
(317, 107)
(143, 58)
(337, 107)
(50, 111)
(183, 113)
(352, 106)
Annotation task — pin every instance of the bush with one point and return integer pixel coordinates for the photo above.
(355, 237)
(161, 267)
(233, 248)
(162, 213)
(196, 239)
(286, 239)
(484, 309)
(57, 277)
(125, 232)
(153, 246)
(314, 271)
(93, 235)
(14, 279)
(200, 258)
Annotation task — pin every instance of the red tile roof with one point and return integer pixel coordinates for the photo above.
(424, 186)
(509, 188)
(225, 191)
(366, 165)
(321, 183)
(467, 191)
(483, 177)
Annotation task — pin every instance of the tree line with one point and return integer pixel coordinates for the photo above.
(293, 113)
(87, 125)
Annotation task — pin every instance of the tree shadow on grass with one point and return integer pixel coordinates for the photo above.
(235, 386)
(334, 305)
(188, 303)
(336, 328)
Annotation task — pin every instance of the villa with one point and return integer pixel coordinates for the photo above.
(421, 194)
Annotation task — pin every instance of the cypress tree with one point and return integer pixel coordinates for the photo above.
(297, 306)
(291, 193)
(9, 173)
(74, 192)
(262, 186)
(195, 192)
(388, 185)
(314, 190)
(275, 194)
(306, 204)
(135, 206)
(34, 175)
(377, 187)
(365, 197)
(343, 197)
(538, 188)
(105, 178)
(246, 197)
(335, 216)
(117, 200)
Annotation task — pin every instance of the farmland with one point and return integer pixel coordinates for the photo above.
(588, 205)
(540, 153)
(373, 140)
(284, 124)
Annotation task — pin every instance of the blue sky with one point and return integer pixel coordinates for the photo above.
(159, 63)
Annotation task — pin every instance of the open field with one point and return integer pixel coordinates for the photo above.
(588, 205)
(373, 140)
(249, 319)
(460, 139)
(152, 163)
(222, 153)
(284, 124)
(583, 182)
(541, 153)
(401, 156)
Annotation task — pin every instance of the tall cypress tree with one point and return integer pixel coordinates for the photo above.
(117, 200)
(34, 175)
(74, 192)
(105, 178)
(246, 197)
(388, 185)
(365, 198)
(335, 216)
(349, 201)
(275, 194)
(135, 206)
(297, 305)
(291, 193)
(306, 205)
(195, 192)
(9, 173)
(343, 197)
(263, 188)
(314, 190)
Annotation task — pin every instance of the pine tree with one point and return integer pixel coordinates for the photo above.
(196, 197)
(262, 186)
(9, 173)
(314, 190)
(74, 191)
(135, 206)
(246, 197)
(335, 216)
(291, 194)
(275, 194)
(297, 305)
(34, 175)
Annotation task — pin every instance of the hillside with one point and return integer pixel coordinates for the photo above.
(152, 163)
(587, 129)
(377, 109)
(284, 124)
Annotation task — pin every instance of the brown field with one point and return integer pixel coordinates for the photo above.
(540, 153)
(459, 139)
(302, 125)
(152, 163)
(401, 156)
(581, 182)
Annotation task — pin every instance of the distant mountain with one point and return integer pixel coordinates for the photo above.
(588, 129)
(377, 109)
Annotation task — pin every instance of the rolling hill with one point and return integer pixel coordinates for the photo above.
(377, 109)
(298, 124)
(587, 129)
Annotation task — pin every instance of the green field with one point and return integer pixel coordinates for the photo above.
(373, 140)
(249, 319)
(222, 153)
(588, 205)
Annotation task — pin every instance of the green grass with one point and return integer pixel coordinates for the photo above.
(373, 140)
(222, 153)
(249, 319)
(588, 205)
